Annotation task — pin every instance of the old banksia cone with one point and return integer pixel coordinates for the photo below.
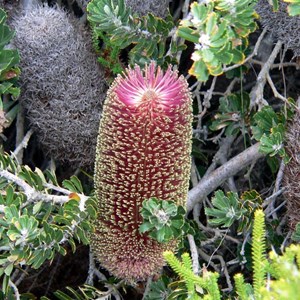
(143, 151)
(292, 172)
(62, 84)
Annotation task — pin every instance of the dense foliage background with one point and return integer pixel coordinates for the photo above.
(241, 60)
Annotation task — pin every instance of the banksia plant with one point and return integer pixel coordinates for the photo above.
(62, 83)
(143, 151)
(292, 172)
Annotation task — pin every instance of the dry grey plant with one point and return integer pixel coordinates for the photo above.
(281, 26)
(292, 171)
(158, 8)
(62, 84)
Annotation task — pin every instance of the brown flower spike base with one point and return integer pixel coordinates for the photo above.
(143, 151)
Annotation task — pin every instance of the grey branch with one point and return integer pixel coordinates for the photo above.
(35, 196)
(194, 253)
(256, 94)
(218, 176)
(22, 145)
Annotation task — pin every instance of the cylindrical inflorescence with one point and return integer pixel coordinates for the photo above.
(62, 84)
(143, 151)
(292, 172)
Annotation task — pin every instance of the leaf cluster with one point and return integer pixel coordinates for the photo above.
(233, 115)
(266, 126)
(219, 30)
(230, 208)
(197, 287)
(34, 228)
(120, 28)
(9, 72)
(293, 8)
(162, 220)
(282, 281)
(274, 278)
(85, 292)
(269, 128)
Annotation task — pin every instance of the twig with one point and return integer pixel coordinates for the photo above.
(147, 289)
(22, 276)
(52, 274)
(231, 86)
(268, 200)
(276, 189)
(254, 52)
(20, 133)
(209, 93)
(218, 247)
(207, 258)
(256, 94)
(276, 66)
(34, 195)
(223, 160)
(16, 291)
(194, 174)
(225, 145)
(274, 90)
(56, 188)
(218, 176)
(23, 144)
(93, 271)
(194, 254)
(283, 244)
(242, 252)
(275, 209)
(225, 271)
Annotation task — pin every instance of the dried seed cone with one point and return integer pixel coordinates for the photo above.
(62, 84)
(282, 26)
(292, 172)
(143, 151)
(158, 8)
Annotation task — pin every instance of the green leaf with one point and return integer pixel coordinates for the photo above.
(69, 185)
(8, 270)
(62, 296)
(275, 5)
(163, 220)
(294, 9)
(188, 34)
(8, 59)
(160, 235)
(211, 23)
(37, 207)
(199, 69)
(271, 144)
(5, 35)
(264, 120)
(146, 226)
(77, 183)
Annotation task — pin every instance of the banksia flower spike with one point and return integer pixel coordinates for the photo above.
(143, 151)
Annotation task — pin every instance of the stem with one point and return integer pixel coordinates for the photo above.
(218, 176)
(256, 95)
(194, 254)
